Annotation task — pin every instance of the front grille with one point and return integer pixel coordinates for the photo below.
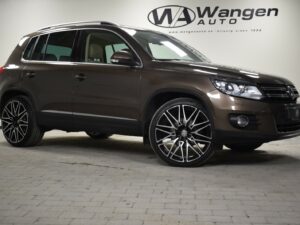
(280, 93)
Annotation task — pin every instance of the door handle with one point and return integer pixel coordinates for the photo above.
(80, 76)
(30, 74)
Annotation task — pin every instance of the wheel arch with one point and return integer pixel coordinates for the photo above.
(162, 96)
(14, 92)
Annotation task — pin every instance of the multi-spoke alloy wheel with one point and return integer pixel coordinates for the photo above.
(181, 133)
(14, 121)
(18, 123)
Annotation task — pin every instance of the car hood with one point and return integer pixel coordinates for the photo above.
(221, 71)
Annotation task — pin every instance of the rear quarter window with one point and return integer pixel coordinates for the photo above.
(29, 49)
(39, 50)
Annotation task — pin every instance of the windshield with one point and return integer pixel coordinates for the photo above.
(164, 47)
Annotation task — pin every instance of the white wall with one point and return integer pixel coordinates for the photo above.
(274, 50)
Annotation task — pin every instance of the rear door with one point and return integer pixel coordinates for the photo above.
(48, 76)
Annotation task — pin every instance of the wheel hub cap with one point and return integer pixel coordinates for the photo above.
(184, 133)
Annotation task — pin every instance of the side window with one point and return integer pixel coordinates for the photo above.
(99, 46)
(29, 49)
(40, 48)
(59, 47)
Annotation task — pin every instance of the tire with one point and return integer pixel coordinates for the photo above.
(245, 147)
(19, 125)
(181, 133)
(97, 135)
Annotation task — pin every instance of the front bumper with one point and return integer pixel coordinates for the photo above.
(272, 121)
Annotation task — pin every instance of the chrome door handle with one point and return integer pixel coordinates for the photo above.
(30, 74)
(80, 77)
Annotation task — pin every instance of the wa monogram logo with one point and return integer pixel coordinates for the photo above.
(171, 16)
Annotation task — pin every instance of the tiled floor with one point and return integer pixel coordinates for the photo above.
(71, 179)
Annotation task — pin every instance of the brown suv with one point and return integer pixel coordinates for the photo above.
(106, 79)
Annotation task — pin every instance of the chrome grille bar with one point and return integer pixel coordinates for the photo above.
(280, 92)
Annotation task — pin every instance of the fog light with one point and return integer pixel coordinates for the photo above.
(242, 121)
(239, 121)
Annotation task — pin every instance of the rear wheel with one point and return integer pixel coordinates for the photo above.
(19, 125)
(244, 147)
(181, 133)
(97, 135)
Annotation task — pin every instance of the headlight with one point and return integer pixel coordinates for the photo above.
(238, 89)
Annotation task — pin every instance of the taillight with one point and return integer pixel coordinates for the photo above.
(1, 69)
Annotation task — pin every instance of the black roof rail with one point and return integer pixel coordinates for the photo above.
(78, 24)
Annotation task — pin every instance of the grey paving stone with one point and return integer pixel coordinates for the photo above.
(72, 180)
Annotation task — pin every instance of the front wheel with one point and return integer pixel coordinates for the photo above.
(244, 147)
(19, 125)
(181, 133)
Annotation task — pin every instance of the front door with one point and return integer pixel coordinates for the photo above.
(107, 95)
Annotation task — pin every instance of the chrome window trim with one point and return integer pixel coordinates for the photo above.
(88, 63)
(87, 115)
(72, 63)
(48, 62)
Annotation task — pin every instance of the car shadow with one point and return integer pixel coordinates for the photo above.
(259, 156)
(141, 152)
(88, 145)
(135, 150)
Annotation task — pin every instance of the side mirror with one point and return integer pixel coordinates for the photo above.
(123, 58)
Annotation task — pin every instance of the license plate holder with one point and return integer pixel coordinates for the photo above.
(294, 113)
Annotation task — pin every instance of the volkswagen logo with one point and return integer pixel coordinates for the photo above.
(290, 92)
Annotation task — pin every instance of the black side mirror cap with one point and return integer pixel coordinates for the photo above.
(123, 58)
